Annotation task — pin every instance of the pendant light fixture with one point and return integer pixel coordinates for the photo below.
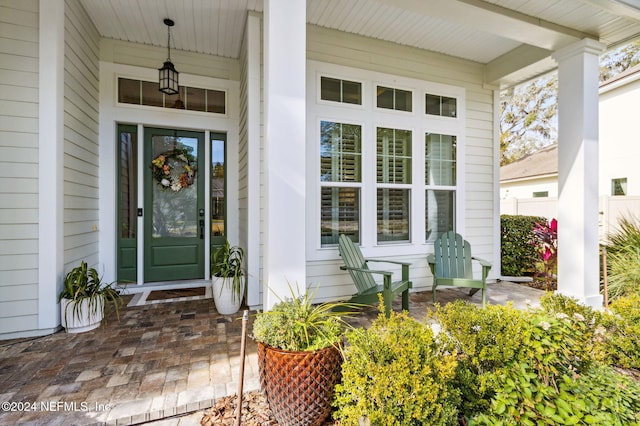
(168, 76)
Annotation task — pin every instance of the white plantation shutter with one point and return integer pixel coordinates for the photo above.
(440, 178)
(393, 176)
(340, 170)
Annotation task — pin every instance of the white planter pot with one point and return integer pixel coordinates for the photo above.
(83, 317)
(226, 303)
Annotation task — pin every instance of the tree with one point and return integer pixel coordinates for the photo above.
(529, 112)
(528, 118)
(619, 60)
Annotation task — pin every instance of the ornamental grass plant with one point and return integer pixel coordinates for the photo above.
(623, 258)
(297, 324)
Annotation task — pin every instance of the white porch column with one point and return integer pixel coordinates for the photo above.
(284, 163)
(50, 162)
(578, 265)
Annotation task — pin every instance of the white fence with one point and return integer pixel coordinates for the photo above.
(611, 209)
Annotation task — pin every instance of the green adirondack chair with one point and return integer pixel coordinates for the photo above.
(451, 265)
(362, 277)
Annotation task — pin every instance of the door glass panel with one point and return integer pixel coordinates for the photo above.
(128, 176)
(175, 195)
(218, 209)
(128, 202)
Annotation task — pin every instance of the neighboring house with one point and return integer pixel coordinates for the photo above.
(619, 140)
(533, 176)
(530, 185)
(296, 121)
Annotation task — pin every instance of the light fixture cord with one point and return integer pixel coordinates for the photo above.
(169, 43)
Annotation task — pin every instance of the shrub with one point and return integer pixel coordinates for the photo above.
(486, 339)
(623, 259)
(535, 367)
(622, 336)
(394, 373)
(613, 339)
(556, 303)
(518, 254)
(598, 396)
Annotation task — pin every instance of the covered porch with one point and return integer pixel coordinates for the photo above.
(278, 62)
(158, 361)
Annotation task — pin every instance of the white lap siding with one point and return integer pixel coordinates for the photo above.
(80, 138)
(18, 165)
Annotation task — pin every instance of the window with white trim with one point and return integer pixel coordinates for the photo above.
(336, 90)
(387, 172)
(391, 98)
(341, 180)
(619, 186)
(440, 181)
(440, 105)
(393, 183)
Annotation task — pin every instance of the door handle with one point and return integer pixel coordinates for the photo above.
(202, 229)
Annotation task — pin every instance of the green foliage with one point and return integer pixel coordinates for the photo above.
(612, 338)
(518, 251)
(622, 336)
(556, 303)
(597, 396)
(296, 324)
(536, 367)
(395, 373)
(226, 262)
(623, 258)
(487, 337)
(84, 283)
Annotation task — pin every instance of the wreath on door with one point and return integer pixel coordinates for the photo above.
(174, 169)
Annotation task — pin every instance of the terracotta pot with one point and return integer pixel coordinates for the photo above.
(299, 386)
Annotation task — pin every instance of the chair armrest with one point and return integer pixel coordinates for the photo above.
(431, 258)
(482, 262)
(388, 261)
(373, 271)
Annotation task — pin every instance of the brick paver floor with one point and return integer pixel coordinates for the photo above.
(156, 362)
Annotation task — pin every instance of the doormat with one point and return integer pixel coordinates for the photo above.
(150, 297)
(177, 293)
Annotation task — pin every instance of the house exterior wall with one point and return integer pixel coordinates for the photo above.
(476, 211)
(620, 135)
(19, 53)
(81, 150)
(250, 188)
(526, 187)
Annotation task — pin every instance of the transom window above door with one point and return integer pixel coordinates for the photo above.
(140, 92)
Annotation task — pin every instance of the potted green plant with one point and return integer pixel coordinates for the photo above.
(300, 358)
(84, 299)
(227, 278)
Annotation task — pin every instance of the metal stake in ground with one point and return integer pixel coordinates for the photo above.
(243, 342)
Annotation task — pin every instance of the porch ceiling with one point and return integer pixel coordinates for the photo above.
(513, 38)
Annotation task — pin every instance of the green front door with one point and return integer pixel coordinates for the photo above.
(173, 205)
